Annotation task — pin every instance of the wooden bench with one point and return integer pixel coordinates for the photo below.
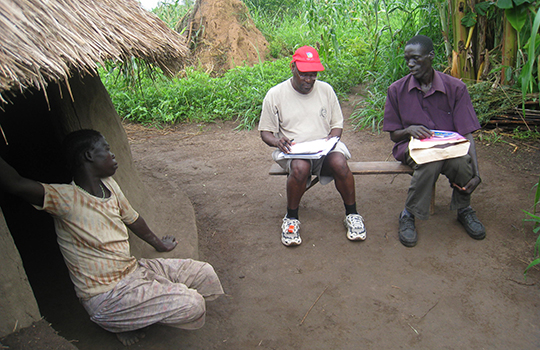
(366, 168)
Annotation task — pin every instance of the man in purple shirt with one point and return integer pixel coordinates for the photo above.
(423, 101)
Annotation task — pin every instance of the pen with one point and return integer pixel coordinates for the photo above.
(458, 187)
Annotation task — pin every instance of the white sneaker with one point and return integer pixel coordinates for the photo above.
(289, 232)
(355, 227)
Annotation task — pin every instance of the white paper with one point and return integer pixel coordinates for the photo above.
(443, 145)
(310, 149)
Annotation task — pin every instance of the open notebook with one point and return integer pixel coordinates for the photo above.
(310, 149)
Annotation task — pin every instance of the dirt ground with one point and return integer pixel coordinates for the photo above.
(448, 292)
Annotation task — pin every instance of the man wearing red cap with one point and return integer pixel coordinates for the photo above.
(305, 109)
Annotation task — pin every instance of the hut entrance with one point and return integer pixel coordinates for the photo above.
(33, 149)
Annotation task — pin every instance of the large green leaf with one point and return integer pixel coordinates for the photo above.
(505, 4)
(521, 2)
(527, 76)
(517, 16)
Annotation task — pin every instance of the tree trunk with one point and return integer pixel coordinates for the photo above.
(509, 51)
(444, 18)
(481, 56)
(461, 66)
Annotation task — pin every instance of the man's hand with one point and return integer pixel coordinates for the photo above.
(169, 243)
(419, 132)
(284, 144)
(416, 131)
(141, 229)
(469, 186)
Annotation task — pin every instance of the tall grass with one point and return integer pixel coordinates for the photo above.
(172, 11)
(391, 25)
(358, 41)
(196, 97)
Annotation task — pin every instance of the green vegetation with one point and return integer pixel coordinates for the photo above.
(172, 12)
(535, 218)
(142, 95)
(359, 43)
(198, 97)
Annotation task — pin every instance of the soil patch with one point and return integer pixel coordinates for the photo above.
(38, 336)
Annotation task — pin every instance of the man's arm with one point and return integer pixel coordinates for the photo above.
(476, 180)
(141, 229)
(416, 131)
(335, 133)
(11, 182)
(284, 144)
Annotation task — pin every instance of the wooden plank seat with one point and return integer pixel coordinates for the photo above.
(362, 168)
(366, 168)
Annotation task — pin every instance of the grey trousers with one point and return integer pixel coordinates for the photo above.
(457, 170)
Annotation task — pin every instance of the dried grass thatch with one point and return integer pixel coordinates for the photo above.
(48, 40)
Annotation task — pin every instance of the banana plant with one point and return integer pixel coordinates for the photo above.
(516, 13)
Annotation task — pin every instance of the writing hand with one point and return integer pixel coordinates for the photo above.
(469, 186)
(419, 132)
(284, 144)
(169, 242)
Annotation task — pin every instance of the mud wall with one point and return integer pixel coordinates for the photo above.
(17, 304)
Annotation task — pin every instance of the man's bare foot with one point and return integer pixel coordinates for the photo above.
(130, 338)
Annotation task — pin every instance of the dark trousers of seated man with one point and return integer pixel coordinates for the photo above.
(457, 170)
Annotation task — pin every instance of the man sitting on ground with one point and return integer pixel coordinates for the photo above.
(305, 109)
(121, 294)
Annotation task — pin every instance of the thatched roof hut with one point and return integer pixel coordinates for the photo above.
(49, 52)
(45, 41)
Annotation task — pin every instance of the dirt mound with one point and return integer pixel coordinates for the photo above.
(224, 36)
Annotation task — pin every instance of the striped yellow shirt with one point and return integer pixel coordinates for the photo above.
(92, 235)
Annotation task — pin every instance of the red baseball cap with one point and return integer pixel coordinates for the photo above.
(307, 60)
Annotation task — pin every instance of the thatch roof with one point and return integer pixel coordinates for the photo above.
(49, 40)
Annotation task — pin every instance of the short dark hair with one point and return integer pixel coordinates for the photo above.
(76, 143)
(425, 42)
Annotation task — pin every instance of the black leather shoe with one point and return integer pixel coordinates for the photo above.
(407, 231)
(472, 225)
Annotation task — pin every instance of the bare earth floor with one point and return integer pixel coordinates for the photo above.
(448, 292)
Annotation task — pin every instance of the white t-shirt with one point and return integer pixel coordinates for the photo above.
(302, 117)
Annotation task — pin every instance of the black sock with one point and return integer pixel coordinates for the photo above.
(350, 209)
(292, 213)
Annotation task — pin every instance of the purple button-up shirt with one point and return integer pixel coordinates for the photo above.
(446, 106)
